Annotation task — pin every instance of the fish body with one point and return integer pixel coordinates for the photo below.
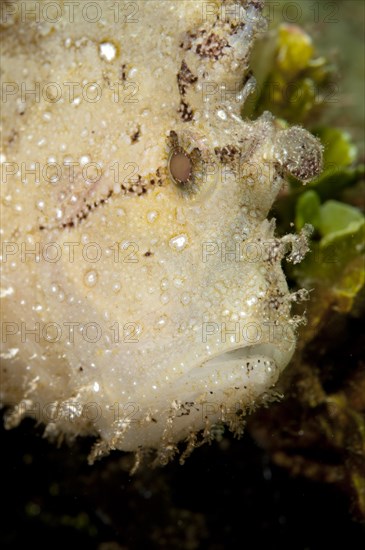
(143, 295)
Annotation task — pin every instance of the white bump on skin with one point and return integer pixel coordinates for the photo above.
(107, 51)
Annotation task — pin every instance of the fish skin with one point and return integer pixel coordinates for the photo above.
(171, 329)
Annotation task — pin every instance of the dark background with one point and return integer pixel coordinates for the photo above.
(227, 495)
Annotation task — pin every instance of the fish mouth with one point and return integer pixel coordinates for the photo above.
(263, 353)
(239, 354)
(245, 371)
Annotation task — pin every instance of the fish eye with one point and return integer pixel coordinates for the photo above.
(185, 166)
(180, 167)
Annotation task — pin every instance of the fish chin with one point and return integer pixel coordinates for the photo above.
(220, 390)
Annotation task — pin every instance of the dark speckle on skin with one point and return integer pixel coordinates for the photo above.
(186, 111)
(135, 137)
(185, 78)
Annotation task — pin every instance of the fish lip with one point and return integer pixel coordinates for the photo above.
(275, 351)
